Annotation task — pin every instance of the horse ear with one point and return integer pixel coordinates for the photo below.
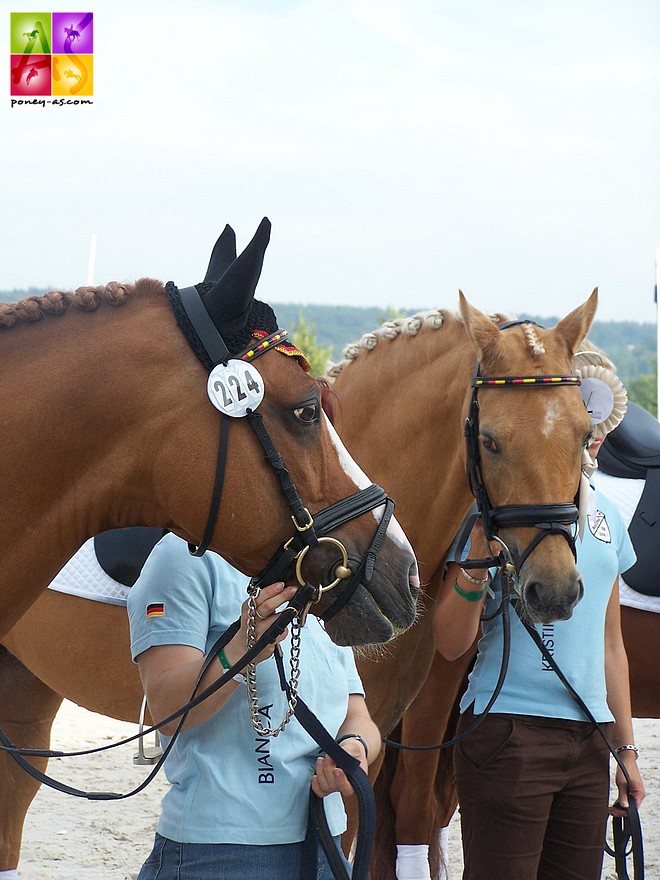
(223, 255)
(230, 299)
(483, 334)
(576, 325)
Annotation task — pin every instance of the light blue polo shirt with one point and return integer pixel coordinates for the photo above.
(230, 785)
(577, 645)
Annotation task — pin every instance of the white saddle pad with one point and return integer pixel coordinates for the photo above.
(83, 576)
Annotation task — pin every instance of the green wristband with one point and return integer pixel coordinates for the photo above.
(239, 677)
(223, 660)
(470, 595)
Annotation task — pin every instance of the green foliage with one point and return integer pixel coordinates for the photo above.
(303, 336)
(336, 325)
(391, 314)
(643, 390)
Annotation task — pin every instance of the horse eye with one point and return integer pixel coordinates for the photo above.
(308, 413)
(488, 443)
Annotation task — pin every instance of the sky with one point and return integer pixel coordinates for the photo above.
(402, 149)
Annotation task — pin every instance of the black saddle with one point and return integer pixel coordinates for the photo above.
(633, 447)
(632, 451)
(122, 552)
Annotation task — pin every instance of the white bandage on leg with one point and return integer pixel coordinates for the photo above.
(9, 875)
(444, 853)
(412, 862)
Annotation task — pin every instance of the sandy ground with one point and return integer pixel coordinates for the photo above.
(67, 838)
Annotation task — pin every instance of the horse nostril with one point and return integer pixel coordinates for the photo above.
(552, 606)
(413, 581)
(533, 594)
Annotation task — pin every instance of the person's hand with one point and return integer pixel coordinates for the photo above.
(267, 602)
(328, 777)
(637, 789)
(479, 546)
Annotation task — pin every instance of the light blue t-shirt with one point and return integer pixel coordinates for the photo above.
(230, 785)
(577, 645)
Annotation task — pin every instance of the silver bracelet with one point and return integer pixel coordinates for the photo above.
(627, 747)
(359, 739)
(474, 580)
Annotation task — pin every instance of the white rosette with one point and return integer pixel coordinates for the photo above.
(603, 393)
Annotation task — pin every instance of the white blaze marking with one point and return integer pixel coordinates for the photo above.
(352, 469)
(552, 416)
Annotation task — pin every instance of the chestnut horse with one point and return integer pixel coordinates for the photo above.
(107, 422)
(399, 402)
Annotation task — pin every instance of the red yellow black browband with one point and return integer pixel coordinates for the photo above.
(277, 341)
(479, 381)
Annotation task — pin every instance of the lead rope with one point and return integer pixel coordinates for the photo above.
(317, 827)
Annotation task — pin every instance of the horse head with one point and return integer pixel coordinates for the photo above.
(280, 433)
(527, 430)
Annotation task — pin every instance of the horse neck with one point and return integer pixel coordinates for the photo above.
(400, 411)
(79, 436)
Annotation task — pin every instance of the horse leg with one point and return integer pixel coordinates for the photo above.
(422, 793)
(641, 635)
(27, 710)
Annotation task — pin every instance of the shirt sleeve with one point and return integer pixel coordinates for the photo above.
(170, 602)
(355, 685)
(625, 550)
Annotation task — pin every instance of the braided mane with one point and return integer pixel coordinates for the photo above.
(58, 302)
(410, 326)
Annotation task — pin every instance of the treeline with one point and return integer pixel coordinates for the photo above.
(631, 345)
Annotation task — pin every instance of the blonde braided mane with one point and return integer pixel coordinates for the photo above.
(410, 326)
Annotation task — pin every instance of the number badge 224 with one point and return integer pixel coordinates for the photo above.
(235, 387)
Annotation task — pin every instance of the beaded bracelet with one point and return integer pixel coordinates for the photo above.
(470, 595)
(474, 580)
(627, 747)
(358, 738)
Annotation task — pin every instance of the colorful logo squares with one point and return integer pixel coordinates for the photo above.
(52, 54)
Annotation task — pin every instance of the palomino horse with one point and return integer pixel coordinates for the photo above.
(415, 791)
(107, 422)
(411, 379)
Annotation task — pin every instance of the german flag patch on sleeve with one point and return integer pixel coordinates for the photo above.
(156, 609)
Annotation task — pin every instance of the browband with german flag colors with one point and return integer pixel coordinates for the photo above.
(480, 381)
(277, 341)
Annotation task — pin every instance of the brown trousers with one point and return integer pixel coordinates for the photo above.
(533, 796)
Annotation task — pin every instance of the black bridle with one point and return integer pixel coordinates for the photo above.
(549, 519)
(310, 531)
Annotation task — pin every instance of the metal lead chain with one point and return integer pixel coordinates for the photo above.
(251, 671)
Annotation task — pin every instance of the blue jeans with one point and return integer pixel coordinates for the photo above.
(228, 861)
